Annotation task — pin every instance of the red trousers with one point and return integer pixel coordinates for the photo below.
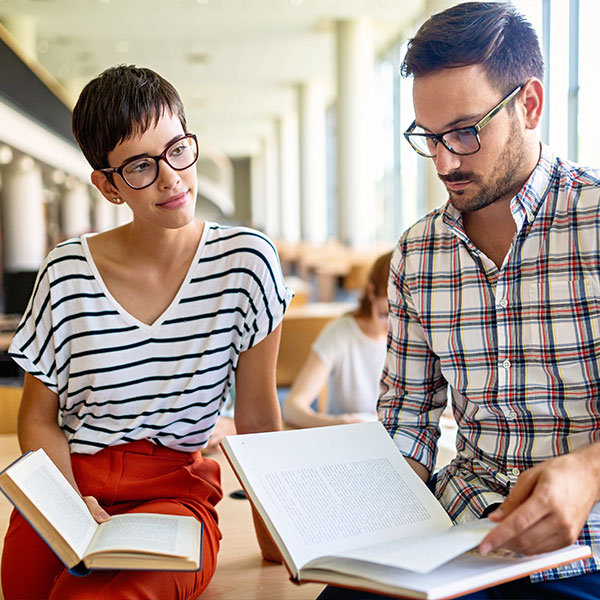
(134, 477)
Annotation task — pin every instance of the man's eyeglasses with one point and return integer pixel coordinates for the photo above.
(462, 141)
(142, 171)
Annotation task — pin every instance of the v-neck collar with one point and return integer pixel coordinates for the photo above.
(173, 304)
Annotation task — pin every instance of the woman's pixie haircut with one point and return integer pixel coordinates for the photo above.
(492, 34)
(121, 102)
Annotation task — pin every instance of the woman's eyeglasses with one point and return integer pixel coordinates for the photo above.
(142, 171)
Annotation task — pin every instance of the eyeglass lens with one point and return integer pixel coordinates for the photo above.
(460, 141)
(143, 171)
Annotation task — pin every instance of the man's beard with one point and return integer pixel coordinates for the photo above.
(506, 183)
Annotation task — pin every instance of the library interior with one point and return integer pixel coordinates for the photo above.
(298, 107)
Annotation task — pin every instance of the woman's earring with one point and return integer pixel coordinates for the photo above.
(117, 200)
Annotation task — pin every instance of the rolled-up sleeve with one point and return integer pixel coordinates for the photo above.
(413, 391)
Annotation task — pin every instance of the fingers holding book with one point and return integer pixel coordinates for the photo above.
(548, 506)
(99, 514)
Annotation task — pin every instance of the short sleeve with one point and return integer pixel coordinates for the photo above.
(32, 346)
(327, 344)
(270, 296)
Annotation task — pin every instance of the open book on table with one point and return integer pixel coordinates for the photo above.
(344, 507)
(47, 500)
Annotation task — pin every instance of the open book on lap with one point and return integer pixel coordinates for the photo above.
(344, 507)
(37, 488)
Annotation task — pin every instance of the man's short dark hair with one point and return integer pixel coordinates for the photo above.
(492, 34)
(121, 102)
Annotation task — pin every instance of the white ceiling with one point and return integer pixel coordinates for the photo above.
(236, 63)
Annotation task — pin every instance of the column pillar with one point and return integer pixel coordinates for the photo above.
(272, 200)
(356, 187)
(258, 190)
(75, 205)
(313, 177)
(287, 129)
(24, 230)
(104, 212)
(123, 214)
(435, 192)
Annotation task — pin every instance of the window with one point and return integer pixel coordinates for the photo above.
(589, 90)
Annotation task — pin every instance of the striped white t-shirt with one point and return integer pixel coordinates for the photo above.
(120, 380)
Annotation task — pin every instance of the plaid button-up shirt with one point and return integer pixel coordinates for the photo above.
(518, 346)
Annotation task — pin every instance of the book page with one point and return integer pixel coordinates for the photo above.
(463, 574)
(145, 532)
(331, 489)
(44, 484)
(421, 553)
(342, 500)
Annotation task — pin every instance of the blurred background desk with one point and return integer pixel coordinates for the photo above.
(301, 326)
(5, 339)
(10, 373)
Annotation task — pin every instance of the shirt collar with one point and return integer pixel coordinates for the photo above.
(525, 204)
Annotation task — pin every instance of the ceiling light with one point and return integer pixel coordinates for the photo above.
(197, 58)
(6, 154)
(26, 164)
(58, 177)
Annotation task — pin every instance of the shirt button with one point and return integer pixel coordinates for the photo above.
(511, 415)
(506, 364)
(515, 471)
(504, 303)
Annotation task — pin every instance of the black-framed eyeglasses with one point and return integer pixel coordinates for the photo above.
(142, 171)
(462, 141)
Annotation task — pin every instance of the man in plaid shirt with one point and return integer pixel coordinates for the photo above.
(495, 297)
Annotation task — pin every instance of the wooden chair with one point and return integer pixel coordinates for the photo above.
(10, 398)
(300, 328)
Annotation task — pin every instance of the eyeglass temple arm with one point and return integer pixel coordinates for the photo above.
(486, 119)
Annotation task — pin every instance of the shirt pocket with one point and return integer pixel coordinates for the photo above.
(560, 330)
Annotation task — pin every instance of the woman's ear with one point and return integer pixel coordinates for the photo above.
(105, 187)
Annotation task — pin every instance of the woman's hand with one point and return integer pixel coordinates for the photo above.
(358, 417)
(99, 514)
(223, 427)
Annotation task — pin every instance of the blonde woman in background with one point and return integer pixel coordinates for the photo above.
(349, 354)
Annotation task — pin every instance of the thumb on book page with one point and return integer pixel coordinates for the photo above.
(99, 514)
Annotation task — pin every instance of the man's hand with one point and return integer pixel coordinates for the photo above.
(548, 505)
